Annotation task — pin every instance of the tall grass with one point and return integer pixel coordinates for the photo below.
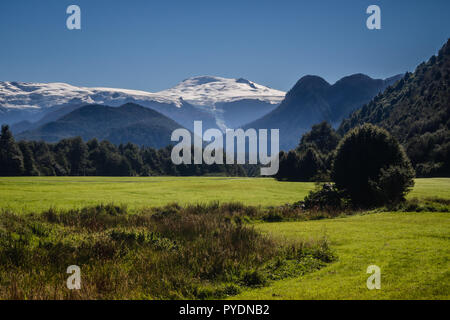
(172, 252)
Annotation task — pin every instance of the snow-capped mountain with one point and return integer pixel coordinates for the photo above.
(216, 101)
(232, 102)
(207, 91)
(21, 95)
(35, 101)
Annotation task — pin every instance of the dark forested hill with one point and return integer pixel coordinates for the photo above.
(313, 100)
(416, 110)
(128, 123)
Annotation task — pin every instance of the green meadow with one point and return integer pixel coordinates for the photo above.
(28, 194)
(411, 248)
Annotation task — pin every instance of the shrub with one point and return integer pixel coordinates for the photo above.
(326, 198)
(393, 184)
(273, 216)
(371, 167)
(254, 278)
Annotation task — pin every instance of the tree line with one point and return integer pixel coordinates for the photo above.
(312, 159)
(74, 157)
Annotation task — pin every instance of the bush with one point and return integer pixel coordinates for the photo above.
(325, 198)
(254, 278)
(371, 167)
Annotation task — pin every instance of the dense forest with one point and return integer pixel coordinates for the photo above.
(74, 157)
(416, 111)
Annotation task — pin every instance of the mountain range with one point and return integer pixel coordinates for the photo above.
(34, 109)
(218, 102)
(313, 100)
(413, 107)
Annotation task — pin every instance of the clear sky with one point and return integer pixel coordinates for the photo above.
(154, 44)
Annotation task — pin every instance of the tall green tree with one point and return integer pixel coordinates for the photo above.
(371, 167)
(29, 164)
(11, 158)
(322, 136)
(78, 157)
(310, 165)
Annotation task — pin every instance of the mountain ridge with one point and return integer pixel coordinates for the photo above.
(416, 111)
(193, 99)
(313, 100)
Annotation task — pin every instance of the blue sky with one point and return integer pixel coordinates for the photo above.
(152, 45)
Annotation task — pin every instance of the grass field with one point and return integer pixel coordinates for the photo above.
(434, 187)
(26, 194)
(412, 249)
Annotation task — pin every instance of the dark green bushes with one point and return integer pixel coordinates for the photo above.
(327, 197)
(371, 167)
